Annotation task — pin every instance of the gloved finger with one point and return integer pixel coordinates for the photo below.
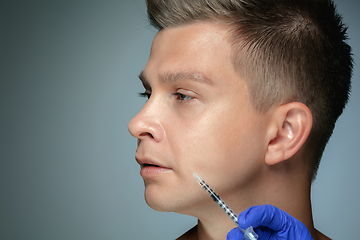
(264, 215)
(235, 234)
(264, 233)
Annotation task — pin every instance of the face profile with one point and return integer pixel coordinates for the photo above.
(197, 117)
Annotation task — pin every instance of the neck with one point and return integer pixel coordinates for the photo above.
(215, 226)
(287, 190)
(211, 226)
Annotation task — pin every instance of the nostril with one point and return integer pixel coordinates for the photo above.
(144, 134)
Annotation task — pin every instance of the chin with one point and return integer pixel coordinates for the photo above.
(159, 203)
(167, 201)
(187, 204)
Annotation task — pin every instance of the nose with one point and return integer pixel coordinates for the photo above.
(146, 124)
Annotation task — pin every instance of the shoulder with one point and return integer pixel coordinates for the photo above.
(321, 236)
(189, 235)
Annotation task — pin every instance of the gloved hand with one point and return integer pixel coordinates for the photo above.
(270, 223)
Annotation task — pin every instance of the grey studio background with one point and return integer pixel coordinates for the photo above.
(68, 72)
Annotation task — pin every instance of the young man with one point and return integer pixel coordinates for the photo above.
(245, 93)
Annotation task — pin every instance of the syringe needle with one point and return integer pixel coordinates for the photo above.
(249, 233)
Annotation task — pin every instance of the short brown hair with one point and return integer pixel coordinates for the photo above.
(287, 50)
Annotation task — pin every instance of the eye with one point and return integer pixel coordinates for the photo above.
(182, 97)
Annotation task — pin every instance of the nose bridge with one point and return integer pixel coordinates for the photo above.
(147, 123)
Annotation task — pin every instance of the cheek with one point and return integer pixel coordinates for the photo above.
(189, 135)
(228, 147)
(202, 143)
(216, 139)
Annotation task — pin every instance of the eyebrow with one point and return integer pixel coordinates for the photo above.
(170, 77)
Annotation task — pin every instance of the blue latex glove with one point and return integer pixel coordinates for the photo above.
(270, 223)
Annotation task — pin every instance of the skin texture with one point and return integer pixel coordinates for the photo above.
(199, 118)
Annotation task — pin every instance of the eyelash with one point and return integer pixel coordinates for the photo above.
(145, 95)
(180, 96)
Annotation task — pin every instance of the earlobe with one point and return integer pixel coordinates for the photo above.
(289, 129)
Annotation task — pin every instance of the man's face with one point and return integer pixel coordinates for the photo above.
(198, 117)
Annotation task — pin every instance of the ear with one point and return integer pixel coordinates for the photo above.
(289, 128)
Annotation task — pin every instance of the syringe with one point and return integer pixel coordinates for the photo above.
(249, 233)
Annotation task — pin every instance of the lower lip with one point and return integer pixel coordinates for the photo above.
(152, 171)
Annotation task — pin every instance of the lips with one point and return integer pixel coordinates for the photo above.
(146, 162)
(150, 167)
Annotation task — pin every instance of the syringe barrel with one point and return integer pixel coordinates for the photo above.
(249, 233)
(219, 201)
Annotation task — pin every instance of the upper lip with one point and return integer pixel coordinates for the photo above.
(143, 161)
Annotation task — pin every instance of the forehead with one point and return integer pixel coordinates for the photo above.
(201, 47)
(205, 32)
